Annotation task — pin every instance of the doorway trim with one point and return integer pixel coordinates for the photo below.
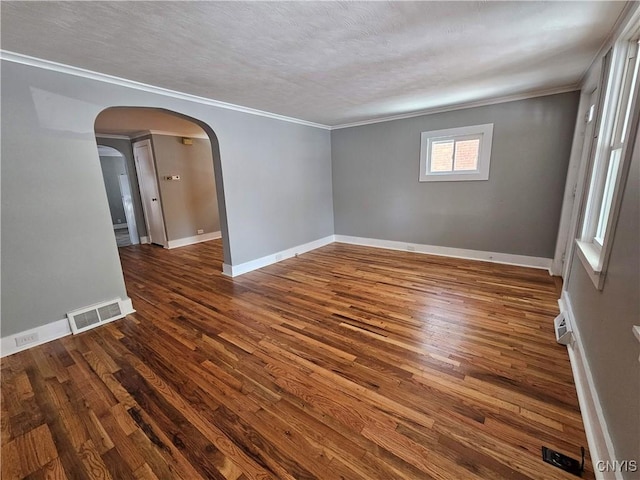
(127, 202)
(129, 211)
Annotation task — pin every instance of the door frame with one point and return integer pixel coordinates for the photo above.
(129, 213)
(105, 150)
(567, 228)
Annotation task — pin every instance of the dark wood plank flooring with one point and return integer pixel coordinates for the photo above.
(344, 363)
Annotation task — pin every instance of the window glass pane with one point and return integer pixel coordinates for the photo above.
(607, 196)
(634, 72)
(466, 157)
(441, 156)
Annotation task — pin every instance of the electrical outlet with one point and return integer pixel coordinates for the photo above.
(200, 231)
(25, 339)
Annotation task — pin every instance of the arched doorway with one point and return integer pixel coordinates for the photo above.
(119, 195)
(184, 155)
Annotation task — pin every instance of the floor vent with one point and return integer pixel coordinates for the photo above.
(90, 317)
(563, 330)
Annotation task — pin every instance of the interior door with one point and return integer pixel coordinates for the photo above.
(127, 203)
(149, 192)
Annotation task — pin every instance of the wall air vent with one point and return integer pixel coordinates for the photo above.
(90, 317)
(564, 333)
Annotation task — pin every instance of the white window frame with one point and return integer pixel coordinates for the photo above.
(611, 159)
(482, 132)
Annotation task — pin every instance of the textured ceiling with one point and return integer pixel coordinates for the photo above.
(325, 62)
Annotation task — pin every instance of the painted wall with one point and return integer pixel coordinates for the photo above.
(188, 204)
(376, 192)
(124, 147)
(112, 168)
(57, 236)
(605, 319)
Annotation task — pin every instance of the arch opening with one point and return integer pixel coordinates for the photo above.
(117, 184)
(185, 168)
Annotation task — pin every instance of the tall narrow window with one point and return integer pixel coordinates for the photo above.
(610, 153)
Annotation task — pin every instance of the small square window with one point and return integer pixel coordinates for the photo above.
(456, 154)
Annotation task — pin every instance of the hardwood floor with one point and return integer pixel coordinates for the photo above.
(347, 362)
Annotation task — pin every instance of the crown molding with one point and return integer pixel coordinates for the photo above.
(629, 15)
(203, 136)
(123, 82)
(462, 106)
(112, 136)
(143, 133)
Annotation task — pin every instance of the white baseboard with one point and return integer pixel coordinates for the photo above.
(235, 270)
(46, 333)
(144, 240)
(118, 226)
(204, 237)
(555, 269)
(595, 426)
(505, 258)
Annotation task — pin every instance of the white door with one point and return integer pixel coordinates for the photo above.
(148, 181)
(127, 203)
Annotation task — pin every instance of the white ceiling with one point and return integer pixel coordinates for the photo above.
(326, 62)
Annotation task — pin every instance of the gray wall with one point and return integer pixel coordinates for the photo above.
(605, 319)
(376, 192)
(124, 147)
(274, 178)
(188, 204)
(112, 168)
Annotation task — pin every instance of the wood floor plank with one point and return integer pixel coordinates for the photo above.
(344, 363)
(51, 471)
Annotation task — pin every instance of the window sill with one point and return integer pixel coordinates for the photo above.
(454, 177)
(590, 256)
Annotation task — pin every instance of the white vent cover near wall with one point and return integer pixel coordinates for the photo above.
(90, 317)
(563, 330)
